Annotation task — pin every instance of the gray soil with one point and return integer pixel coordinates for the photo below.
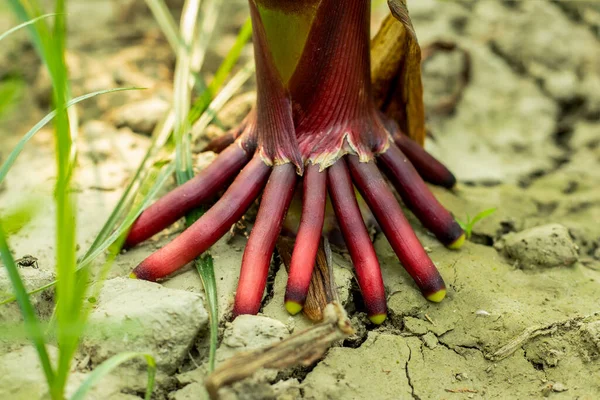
(522, 316)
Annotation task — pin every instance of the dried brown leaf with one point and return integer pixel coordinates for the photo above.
(396, 72)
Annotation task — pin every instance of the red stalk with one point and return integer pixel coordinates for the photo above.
(419, 199)
(274, 123)
(188, 196)
(259, 249)
(210, 227)
(357, 240)
(307, 239)
(396, 228)
(331, 87)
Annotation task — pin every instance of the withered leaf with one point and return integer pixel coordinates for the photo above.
(396, 72)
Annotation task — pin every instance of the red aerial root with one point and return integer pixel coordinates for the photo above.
(307, 239)
(417, 196)
(430, 169)
(185, 198)
(395, 226)
(210, 227)
(259, 249)
(357, 240)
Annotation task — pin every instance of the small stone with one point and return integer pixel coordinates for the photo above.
(287, 390)
(135, 315)
(461, 376)
(590, 334)
(193, 391)
(563, 85)
(141, 116)
(250, 332)
(247, 333)
(415, 325)
(430, 340)
(559, 387)
(543, 246)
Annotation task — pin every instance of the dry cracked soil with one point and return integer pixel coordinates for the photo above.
(522, 317)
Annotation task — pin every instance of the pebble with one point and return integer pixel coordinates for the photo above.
(135, 315)
(544, 246)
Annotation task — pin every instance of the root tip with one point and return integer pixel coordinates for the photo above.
(378, 319)
(438, 296)
(293, 307)
(133, 275)
(458, 243)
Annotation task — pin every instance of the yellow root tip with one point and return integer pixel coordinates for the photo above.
(378, 319)
(133, 275)
(437, 296)
(293, 307)
(457, 244)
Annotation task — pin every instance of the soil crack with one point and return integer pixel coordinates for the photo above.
(412, 388)
(533, 332)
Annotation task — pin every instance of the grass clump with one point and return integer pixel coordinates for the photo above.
(169, 149)
(71, 310)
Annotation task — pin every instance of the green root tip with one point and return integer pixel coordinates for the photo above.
(293, 307)
(378, 319)
(437, 296)
(133, 275)
(457, 244)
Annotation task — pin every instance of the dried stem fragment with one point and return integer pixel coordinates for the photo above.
(303, 348)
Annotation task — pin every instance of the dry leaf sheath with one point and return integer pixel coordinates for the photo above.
(323, 116)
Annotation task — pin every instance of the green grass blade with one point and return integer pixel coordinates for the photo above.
(121, 229)
(482, 215)
(208, 20)
(24, 16)
(19, 147)
(205, 267)
(182, 91)
(68, 288)
(204, 264)
(183, 153)
(24, 24)
(165, 21)
(107, 366)
(32, 324)
(469, 224)
(231, 58)
(208, 110)
(201, 103)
